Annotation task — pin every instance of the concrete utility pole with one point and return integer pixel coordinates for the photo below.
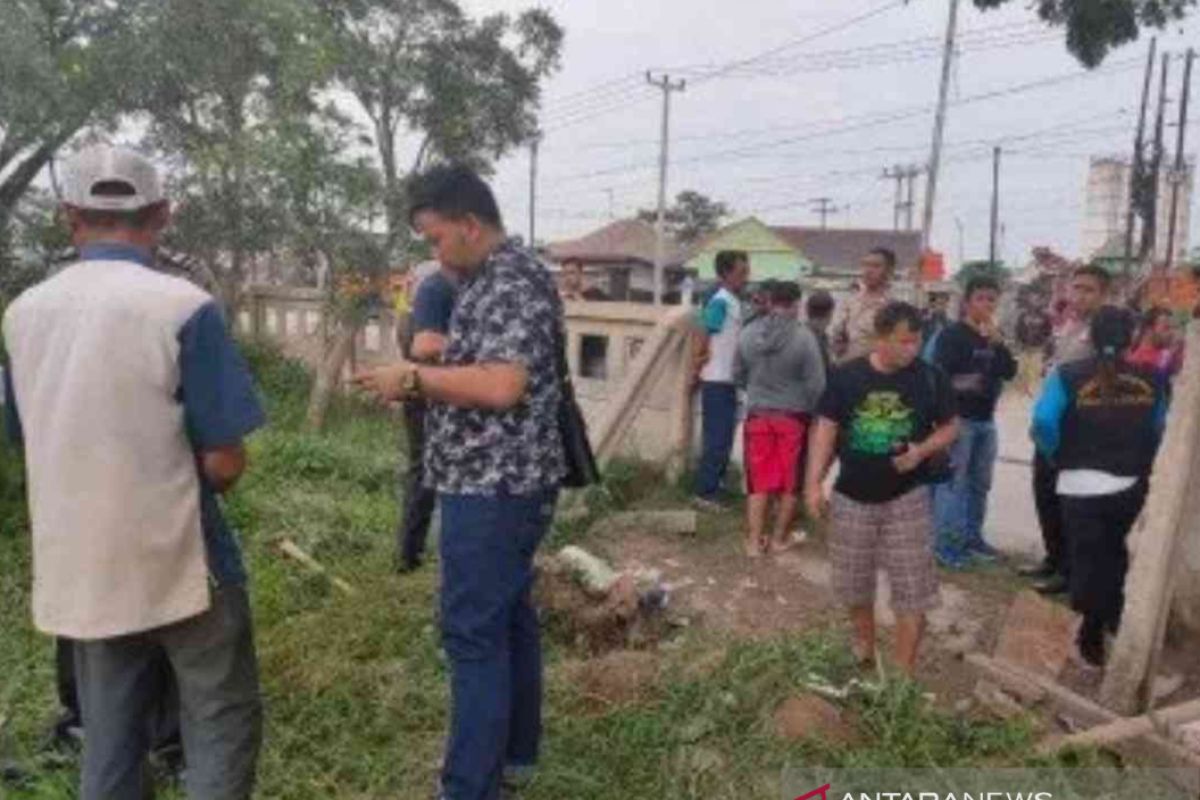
(939, 126)
(660, 232)
(995, 205)
(902, 175)
(1136, 177)
(1150, 229)
(533, 166)
(825, 207)
(1179, 174)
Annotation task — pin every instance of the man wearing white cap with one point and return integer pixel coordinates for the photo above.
(132, 403)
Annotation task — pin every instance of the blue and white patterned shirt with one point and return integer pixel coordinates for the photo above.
(507, 312)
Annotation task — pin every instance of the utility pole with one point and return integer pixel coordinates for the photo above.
(910, 204)
(609, 192)
(903, 175)
(1179, 174)
(895, 174)
(660, 232)
(1137, 179)
(825, 207)
(1150, 229)
(533, 166)
(939, 127)
(995, 205)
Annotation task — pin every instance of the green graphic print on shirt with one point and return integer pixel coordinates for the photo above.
(880, 422)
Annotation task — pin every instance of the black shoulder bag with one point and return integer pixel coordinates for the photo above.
(572, 427)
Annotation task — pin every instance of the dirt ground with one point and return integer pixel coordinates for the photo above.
(713, 584)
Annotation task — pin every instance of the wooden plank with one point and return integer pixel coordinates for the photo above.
(1154, 545)
(293, 551)
(1151, 746)
(1025, 683)
(1129, 727)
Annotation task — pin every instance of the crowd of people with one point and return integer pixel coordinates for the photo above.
(132, 402)
(905, 402)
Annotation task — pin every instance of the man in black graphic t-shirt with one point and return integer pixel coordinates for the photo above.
(886, 415)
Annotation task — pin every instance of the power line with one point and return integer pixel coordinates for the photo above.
(612, 97)
(617, 96)
(866, 121)
(812, 37)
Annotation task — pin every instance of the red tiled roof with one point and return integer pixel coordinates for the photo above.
(840, 249)
(623, 240)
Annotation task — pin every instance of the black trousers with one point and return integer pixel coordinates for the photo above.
(412, 533)
(163, 716)
(1099, 558)
(1050, 515)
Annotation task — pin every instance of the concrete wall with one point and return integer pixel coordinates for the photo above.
(297, 320)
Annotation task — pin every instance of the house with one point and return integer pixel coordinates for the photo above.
(618, 260)
(812, 255)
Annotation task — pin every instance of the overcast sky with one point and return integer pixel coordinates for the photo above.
(831, 104)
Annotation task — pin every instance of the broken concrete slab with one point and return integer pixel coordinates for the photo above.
(1038, 635)
(808, 716)
(998, 701)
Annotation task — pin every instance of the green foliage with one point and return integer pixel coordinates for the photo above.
(64, 65)
(461, 90)
(692, 217)
(14, 516)
(356, 686)
(970, 270)
(246, 127)
(1096, 27)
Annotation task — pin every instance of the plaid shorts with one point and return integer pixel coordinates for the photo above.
(897, 536)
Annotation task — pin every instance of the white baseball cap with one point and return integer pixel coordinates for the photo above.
(107, 178)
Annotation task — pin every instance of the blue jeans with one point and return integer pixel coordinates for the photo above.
(960, 505)
(490, 632)
(718, 404)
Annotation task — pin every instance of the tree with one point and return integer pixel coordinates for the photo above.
(691, 218)
(982, 269)
(64, 65)
(236, 79)
(1096, 27)
(440, 86)
(32, 242)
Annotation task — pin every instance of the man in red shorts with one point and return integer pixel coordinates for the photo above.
(779, 364)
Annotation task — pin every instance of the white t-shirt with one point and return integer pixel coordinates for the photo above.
(722, 319)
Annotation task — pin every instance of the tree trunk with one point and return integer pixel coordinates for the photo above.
(327, 375)
(18, 180)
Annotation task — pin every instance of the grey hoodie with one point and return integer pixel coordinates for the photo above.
(779, 364)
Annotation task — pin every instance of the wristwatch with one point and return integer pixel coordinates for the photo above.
(412, 383)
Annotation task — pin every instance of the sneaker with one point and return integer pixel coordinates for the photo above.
(982, 551)
(1052, 586)
(1041, 571)
(952, 561)
(708, 505)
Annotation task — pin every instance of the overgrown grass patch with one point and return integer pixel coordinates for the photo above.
(355, 685)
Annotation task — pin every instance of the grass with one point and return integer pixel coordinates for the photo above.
(356, 686)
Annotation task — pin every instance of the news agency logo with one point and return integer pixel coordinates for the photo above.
(823, 793)
(1053, 782)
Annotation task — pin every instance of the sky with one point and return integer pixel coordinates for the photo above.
(790, 100)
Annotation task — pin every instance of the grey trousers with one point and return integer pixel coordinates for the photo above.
(213, 659)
